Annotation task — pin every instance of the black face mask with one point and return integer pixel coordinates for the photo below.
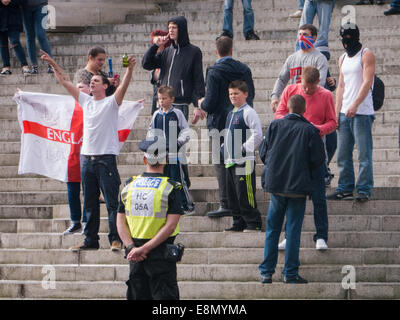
(352, 42)
(352, 46)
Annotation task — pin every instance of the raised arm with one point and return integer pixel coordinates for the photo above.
(121, 90)
(64, 80)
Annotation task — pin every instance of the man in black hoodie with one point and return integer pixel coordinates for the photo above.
(217, 105)
(181, 67)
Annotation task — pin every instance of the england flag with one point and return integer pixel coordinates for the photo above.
(52, 130)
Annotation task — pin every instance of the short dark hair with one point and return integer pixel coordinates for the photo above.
(95, 51)
(104, 79)
(224, 45)
(297, 104)
(166, 89)
(239, 84)
(312, 28)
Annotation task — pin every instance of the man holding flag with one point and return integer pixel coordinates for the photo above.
(99, 150)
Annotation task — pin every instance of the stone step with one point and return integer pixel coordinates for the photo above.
(11, 132)
(203, 141)
(202, 224)
(208, 48)
(353, 239)
(200, 290)
(263, 23)
(197, 169)
(215, 256)
(102, 36)
(201, 272)
(26, 212)
(71, 63)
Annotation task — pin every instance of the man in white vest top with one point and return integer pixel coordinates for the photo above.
(355, 112)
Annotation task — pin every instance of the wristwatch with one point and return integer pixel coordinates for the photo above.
(128, 249)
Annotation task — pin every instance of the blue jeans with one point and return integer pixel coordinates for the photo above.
(32, 19)
(300, 4)
(294, 209)
(323, 9)
(395, 4)
(358, 131)
(74, 201)
(16, 44)
(318, 198)
(100, 172)
(248, 16)
(319, 203)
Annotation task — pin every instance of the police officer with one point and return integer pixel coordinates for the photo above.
(148, 222)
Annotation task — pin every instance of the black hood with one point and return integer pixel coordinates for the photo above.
(231, 69)
(183, 35)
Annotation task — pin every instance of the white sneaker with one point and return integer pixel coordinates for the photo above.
(282, 245)
(296, 14)
(321, 245)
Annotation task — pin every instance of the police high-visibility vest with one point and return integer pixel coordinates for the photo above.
(146, 205)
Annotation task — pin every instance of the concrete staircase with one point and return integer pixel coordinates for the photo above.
(216, 265)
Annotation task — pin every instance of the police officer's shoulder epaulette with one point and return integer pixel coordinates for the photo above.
(129, 180)
(177, 185)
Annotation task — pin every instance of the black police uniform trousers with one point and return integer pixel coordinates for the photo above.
(155, 278)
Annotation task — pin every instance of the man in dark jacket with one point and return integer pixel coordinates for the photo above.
(217, 105)
(181, 67)
(290, 150)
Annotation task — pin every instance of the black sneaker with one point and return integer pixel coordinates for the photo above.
(234, 229)
(252, 229)
(225, 34)
(34, 70)
(362, 197)
(328, 179)
(188, 209)
(75, 227)
(251, 36)
(340, 196)
(391, 11)
(50, 69)
(266, 279)
(80, 247)
(295, 280)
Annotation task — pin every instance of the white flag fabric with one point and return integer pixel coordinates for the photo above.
(52, 130)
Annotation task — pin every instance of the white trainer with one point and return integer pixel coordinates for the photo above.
(321, 245)
(282, 245)
(296, 14)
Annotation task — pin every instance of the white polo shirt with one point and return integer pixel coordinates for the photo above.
(100, 125)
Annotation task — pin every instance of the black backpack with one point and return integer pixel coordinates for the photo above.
(378, 93)
(378, 89)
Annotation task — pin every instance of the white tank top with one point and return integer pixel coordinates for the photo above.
(352, 70)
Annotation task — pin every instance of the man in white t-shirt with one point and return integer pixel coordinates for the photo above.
(99, 150)
(355, 113)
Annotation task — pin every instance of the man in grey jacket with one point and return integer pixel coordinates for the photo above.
(295, 63)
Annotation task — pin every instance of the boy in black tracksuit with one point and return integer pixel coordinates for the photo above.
(175, 130)
(242, 124)
(181, 65)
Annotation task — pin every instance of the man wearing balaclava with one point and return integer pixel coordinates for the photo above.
(355, 112)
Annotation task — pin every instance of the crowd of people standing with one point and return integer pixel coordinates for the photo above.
(144, 217)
